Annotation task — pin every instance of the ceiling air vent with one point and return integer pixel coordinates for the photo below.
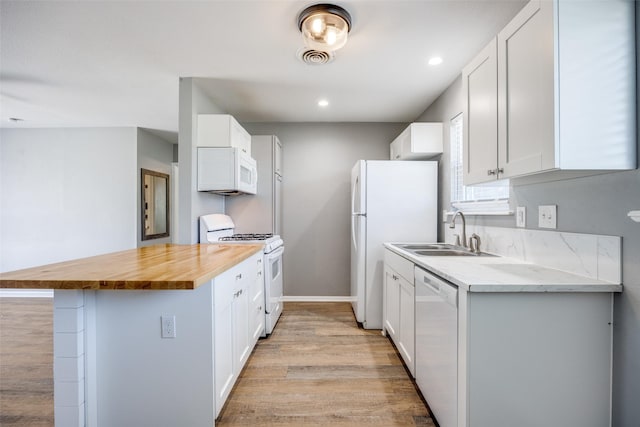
(315, 57)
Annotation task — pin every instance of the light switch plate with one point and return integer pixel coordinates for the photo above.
(547, 216)
(521, 216)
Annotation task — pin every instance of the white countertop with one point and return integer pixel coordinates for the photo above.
(503, 274)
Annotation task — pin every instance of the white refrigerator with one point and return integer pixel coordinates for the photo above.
(391, 201)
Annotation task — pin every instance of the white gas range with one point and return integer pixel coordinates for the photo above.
(218, 228)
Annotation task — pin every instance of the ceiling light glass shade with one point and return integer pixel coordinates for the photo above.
(324, 27)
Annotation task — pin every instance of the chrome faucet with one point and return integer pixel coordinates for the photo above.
(452, 224)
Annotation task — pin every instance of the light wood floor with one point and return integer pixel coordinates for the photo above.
(317, 369)
(26, 362)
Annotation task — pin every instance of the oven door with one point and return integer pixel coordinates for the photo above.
(273, 285)
(247, 174)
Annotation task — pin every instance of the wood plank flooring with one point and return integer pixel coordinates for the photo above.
(26, 362)
(317, 369)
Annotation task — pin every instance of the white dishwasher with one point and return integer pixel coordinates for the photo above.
(437, 345)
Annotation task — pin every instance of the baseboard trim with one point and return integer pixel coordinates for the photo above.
(317, 299)
(26, 293)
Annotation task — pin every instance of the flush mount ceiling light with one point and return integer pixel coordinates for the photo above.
(324, 26)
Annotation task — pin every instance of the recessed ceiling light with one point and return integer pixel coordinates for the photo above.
(323, 103)
(436, 60)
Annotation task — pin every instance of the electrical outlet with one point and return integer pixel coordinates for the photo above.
(547, 216)
(444, 215)
(168, 325)
(521, 216)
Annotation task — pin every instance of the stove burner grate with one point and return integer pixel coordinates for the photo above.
(246, 236)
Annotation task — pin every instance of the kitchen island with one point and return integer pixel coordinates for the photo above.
(112, 365)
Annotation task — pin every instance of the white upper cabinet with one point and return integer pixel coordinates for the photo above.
(222, 130)
(480, 116)
(418, 141)
(565, 98)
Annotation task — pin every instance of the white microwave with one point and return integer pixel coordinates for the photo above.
(226, 171)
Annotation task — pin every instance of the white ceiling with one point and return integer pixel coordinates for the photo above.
(117, 63)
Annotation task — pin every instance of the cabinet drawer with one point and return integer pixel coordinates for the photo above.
(401, 265)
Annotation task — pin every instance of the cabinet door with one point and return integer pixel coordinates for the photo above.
(241, 329)
(406, 343)
(526, 92)
(223, 338)
(256, 304)
(391, 303)
(480, 117)
(240, 138)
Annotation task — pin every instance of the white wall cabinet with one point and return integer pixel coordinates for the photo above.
(480, 116)
(398, 306)
(557, 69)
(234, 324)
(222, 130)
(418, 141)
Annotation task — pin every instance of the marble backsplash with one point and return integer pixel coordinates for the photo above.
(595, 256)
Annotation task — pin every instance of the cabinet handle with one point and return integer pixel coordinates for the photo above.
(491, 172)
(260, 308)
(500, 170)
(239, 276)
(394, 277)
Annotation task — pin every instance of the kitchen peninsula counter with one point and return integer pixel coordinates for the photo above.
(133, 331)
(158, 267)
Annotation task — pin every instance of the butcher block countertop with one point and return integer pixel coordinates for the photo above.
(158, 267)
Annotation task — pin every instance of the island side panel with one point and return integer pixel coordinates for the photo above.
(144, 379)
(69, 357)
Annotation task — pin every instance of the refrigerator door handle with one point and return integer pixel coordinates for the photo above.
(353, 196)
(353, 232)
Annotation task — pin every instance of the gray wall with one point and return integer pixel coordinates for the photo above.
(318, 158)
(596, 204)
(66, 194)
(154, 154)
(192, 203)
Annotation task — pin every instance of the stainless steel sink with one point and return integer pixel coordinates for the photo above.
(450, 252)
(430, 246)
(439, 249)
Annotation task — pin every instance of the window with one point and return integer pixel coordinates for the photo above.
(490, 198)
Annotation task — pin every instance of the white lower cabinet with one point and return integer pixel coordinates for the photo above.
(398, 306)
(234, 304)
(524, 358)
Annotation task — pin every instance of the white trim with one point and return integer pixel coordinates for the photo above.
(318, 299)
(482, 207)
(26, 293)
